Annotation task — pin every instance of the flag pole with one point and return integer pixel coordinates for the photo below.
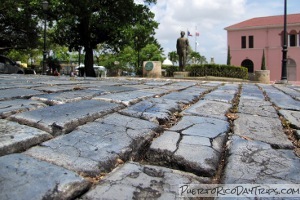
(196, 39)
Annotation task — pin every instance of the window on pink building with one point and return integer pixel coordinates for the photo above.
(251, 41)
(243, 42)
(293, 38)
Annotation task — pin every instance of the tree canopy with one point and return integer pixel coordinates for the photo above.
(78, 24)
(192, 58)
(19, 24)
(87, 23)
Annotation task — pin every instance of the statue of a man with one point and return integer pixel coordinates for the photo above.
(182, 50)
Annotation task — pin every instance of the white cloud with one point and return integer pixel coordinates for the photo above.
(210, 18)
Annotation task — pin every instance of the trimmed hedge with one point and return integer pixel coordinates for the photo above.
(218, 70)
(170, 70)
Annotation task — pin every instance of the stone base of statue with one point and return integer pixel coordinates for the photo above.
(180, 74)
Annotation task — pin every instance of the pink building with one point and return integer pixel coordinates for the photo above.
(248, 39)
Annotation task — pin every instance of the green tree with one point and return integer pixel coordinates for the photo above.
(263, 61)
(87, 23)
(151, 52)
(195, 58)
(19, 24)
(53, 64)
(228, 56)
(173, 56)
(192, 58)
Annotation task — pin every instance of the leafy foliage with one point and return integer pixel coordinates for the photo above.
(87, 23)
(127, 58)
(218, 70)
(173, 56)
(170, 70)
(228, 56)
(192, 58)
(263, 61)
(77, 24)
(195, 58)
(18, 24)
(54, 64)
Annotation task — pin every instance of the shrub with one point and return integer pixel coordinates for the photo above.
(170, 70)
(263, 61)
(218, 70)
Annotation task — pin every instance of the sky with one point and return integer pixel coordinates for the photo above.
(209, 18)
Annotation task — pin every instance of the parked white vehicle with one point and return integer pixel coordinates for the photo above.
(99, 70)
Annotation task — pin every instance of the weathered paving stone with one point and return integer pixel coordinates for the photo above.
(281, 99)
(15, 93)
(62, 81)
(257, 108)
(197, 155)
(211, 84)
(96, 85)
(126, 98)
(157, 83)
(156, 91)
(11, 107)
(141, 87)
(263, 129)
(155, 109)
(207, 108)
(167, 142)
(135, 181)
(292, 116)
(23, 178)
(223, 93)
(95, 147)
(67, 97)
(64, 118)
(12, 81)
(15, 137)
(116, 88)
(251, 92)
(176, 86)
(290, 91)
(257, 162)
(186, 96)
(198, 89)
(293, 91)
(57, 88)
(199, 144)
(201, 126)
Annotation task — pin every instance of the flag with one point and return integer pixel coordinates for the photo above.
(189, 34)
(197, 34)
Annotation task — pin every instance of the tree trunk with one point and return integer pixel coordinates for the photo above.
(89, 62)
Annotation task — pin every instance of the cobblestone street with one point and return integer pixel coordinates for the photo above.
(121, 138)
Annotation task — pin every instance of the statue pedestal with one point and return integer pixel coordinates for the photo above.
(262, 76)
(181, 74)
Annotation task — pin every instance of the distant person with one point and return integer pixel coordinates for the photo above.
(182, 50)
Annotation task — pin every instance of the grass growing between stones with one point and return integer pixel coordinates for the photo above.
(231, 115)
(288, 129)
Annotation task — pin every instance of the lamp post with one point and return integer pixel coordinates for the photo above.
(137, 46)
(284, 49)
(45, 5)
